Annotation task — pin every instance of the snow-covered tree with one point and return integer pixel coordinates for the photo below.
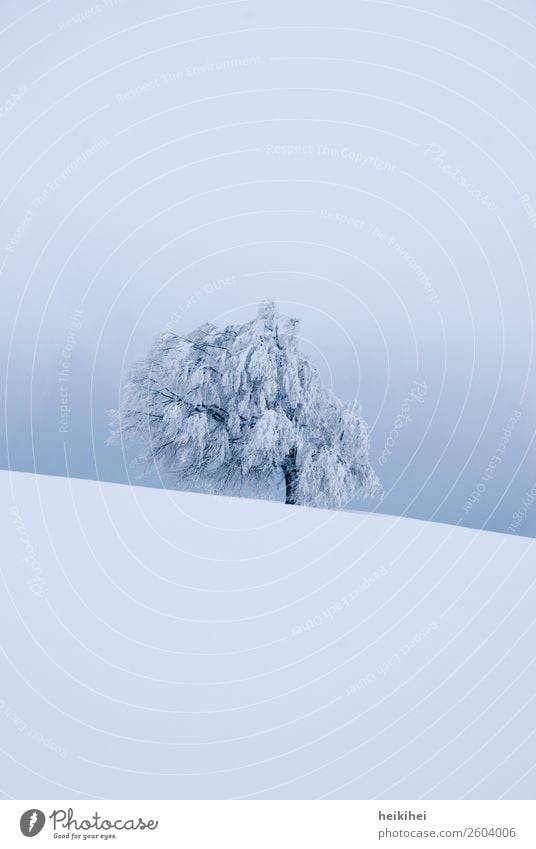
(241, 409)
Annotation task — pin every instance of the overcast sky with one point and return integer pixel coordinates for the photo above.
(368, 165)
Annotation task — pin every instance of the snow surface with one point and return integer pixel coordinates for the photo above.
(161, 644)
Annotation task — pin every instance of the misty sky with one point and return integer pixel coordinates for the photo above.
(368, 165)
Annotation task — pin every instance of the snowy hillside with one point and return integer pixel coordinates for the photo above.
(162, 644)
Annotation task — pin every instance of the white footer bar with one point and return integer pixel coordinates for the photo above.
(270, 824)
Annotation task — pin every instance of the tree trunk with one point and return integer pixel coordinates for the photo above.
(291, 477)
